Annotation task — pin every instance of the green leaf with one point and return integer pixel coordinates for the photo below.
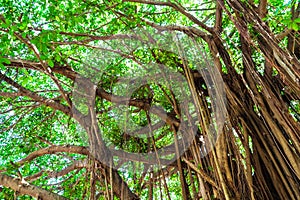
(286, 21)
(295, 26)
(57, 58)
(5, 60)
(23, 26)
(24, 34)
(57, 18)
(297, 20)
(50, 63)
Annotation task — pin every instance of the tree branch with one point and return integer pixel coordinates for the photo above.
(69, 73)
(75, 165)
(262, 8)
(25, 92)
(31, 190)
(176, 7)
(218, 24)
(53, 150)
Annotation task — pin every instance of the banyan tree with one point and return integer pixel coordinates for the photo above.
(147, 99)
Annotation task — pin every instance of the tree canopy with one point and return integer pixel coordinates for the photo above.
(146, 99)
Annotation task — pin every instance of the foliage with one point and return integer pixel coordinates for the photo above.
(152, 71)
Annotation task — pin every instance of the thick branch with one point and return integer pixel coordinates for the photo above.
(36, 97)
(25, 189)
(262, 8)
(191, 31)
(75, 165)
(53, 150)
(69, 73)
(176, 7)
(218, 24)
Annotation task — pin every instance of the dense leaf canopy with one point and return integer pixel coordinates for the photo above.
(142, 99)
